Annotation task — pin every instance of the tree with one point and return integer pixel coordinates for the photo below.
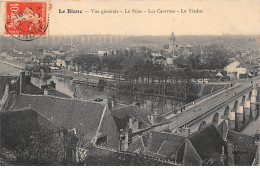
(216, 58)
(31, 143)
(180, 62)
(87, 61)
(194, 61)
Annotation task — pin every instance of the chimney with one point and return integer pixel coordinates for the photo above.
(75, 93)
(5, 96)
(154, 119)
(27, 73)
(110, 103)
(128, 138)
(52, 84)
(257, 137)
(130, 122)
(6, 89)
(223, 157)
(22, 81)
(184, 131)
(45, 92)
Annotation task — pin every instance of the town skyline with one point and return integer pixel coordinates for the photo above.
(217, 18)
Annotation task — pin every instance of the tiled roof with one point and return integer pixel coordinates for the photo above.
(169, 148)
(257, 157)
(207, 142)
(109, 128)
(31, 89)
(192, 150)
(25, 130)
(145, 139)
(100, 156)
(54, 92)
(138, 144)
(164, 143)
(16, 116)
(3, 81)
(122, 113)
(244, 147)
(191, 157)
(69, 113)
(158, 144)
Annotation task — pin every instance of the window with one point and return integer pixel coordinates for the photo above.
(102, 140)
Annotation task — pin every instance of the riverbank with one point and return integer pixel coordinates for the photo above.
(150, 103)
(65, 73)
(69, 73)
(21, 66)
(8, 70)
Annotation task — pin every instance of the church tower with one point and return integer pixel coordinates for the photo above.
(172, 43)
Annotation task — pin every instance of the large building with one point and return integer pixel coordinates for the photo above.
(236, 71)
(172, 43)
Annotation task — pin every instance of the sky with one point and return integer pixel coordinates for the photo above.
(219, 17)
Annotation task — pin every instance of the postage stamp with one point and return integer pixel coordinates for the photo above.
(26, 21)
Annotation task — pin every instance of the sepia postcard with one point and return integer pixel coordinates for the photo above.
(129, 82)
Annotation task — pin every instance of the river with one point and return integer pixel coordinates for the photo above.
(150, 103)
(8, 70)
(252, 127)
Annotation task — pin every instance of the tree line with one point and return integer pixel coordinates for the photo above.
(136, 70)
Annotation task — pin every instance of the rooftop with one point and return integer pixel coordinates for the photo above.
(244, 148)
(80, 116)
(100, 156)
(158, 144)
(3, 81)
(123, 112)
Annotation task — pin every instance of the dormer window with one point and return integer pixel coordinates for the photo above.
(102, 140)
(133, 124)
(73, 131)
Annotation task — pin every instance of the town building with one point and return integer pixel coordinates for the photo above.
(88, 121)
(104, 52)
(236, 71)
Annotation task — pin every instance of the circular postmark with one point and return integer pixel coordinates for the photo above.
(26, 21)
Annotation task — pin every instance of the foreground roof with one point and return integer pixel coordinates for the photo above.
(245, 148)
(158, 144)
(3, 81)
(79, 116)
(101, 156)
(124, 111)
(207, 142)
(16, 116)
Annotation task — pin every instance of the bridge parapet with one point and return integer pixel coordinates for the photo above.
(193, 118)
(189, 105)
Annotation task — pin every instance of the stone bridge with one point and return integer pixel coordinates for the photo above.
(233, 107)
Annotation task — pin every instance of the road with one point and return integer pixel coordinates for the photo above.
(208, 103)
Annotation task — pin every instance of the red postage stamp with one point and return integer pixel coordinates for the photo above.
(26, 20)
